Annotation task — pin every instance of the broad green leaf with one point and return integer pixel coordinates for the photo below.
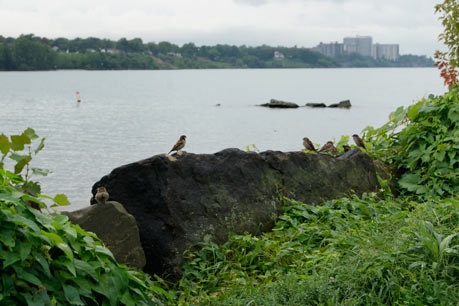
(72, 295)
(24, 250)
(445, 242)
(86, 267)
(21, 164)
(66, 249)
(453, 115)
(413, 111)
(70, 231)
(411, 183)
(18, 157)
(29, 277)
(43, 262)
(18, 142)
(103, 250)
(29, 132)
(7, 238)
(10, 258)
(20, 220)
(61, 200)
(5, 144)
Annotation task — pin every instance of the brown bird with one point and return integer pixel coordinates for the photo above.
(346, 148)
(179, 145)
(329, 148)
(101, 195)
(308, 144)
(358, 141)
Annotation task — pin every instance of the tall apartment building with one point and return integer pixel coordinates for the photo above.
(362, 45)
(331, 49)
(359, 44)
(387, 51)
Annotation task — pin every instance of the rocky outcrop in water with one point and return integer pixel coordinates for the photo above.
(280, 104)
(316, 105)
(116, 228)
(342, 104)
(179, 201)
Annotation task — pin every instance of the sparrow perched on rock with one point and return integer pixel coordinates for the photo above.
(346, 148)
(308, 144)
(329, 147)
(101, 195)
(179, 145)
(358, 141)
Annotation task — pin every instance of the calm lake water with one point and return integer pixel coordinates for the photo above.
(125, 116)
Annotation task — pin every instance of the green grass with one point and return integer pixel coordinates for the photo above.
(342, 252)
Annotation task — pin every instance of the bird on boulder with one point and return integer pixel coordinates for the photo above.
(308, 144)
(346, 148)
(179, 145)
(358, 141)
(329, 147)
(101, 195)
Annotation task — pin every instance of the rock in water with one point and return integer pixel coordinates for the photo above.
(342, 104)
(116, 228)
(280, 104)
(199, 197)
(316, 104)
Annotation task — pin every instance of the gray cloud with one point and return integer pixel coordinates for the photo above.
(251, 22)
(251, 2)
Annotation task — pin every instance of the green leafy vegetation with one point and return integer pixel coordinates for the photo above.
(347, 251)
(46, 260)
(29, 52)
(421, 143)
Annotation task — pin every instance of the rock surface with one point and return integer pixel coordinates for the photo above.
(316, 104)
(116, 228)
(342, 104)
(280, 104)
(190, 198)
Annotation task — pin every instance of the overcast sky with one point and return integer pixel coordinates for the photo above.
(305, 23)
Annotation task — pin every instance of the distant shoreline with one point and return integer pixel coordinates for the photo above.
(30, 53)
(232, 68)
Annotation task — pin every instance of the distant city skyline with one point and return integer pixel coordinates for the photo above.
(302, 23)
(362, 45)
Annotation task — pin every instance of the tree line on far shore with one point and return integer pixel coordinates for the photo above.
(30, 52)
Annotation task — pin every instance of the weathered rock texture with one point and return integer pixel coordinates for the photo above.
(180, 201)
(280, 104)
(116, 228)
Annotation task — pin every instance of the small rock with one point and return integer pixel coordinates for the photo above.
(316, 104)
(342, 104)
(115, 227)
(279, 104)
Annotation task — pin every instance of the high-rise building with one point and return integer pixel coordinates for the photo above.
(362, 45)
(386, 51)
(359, 44)
(331, 49)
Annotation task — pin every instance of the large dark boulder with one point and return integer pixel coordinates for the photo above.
(280, 104)
(115, 227)
(179, 201)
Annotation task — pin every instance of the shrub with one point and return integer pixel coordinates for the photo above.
(46, 260)
(421, 142)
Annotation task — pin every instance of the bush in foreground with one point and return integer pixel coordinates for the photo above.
(45, 260)
(342, 252)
